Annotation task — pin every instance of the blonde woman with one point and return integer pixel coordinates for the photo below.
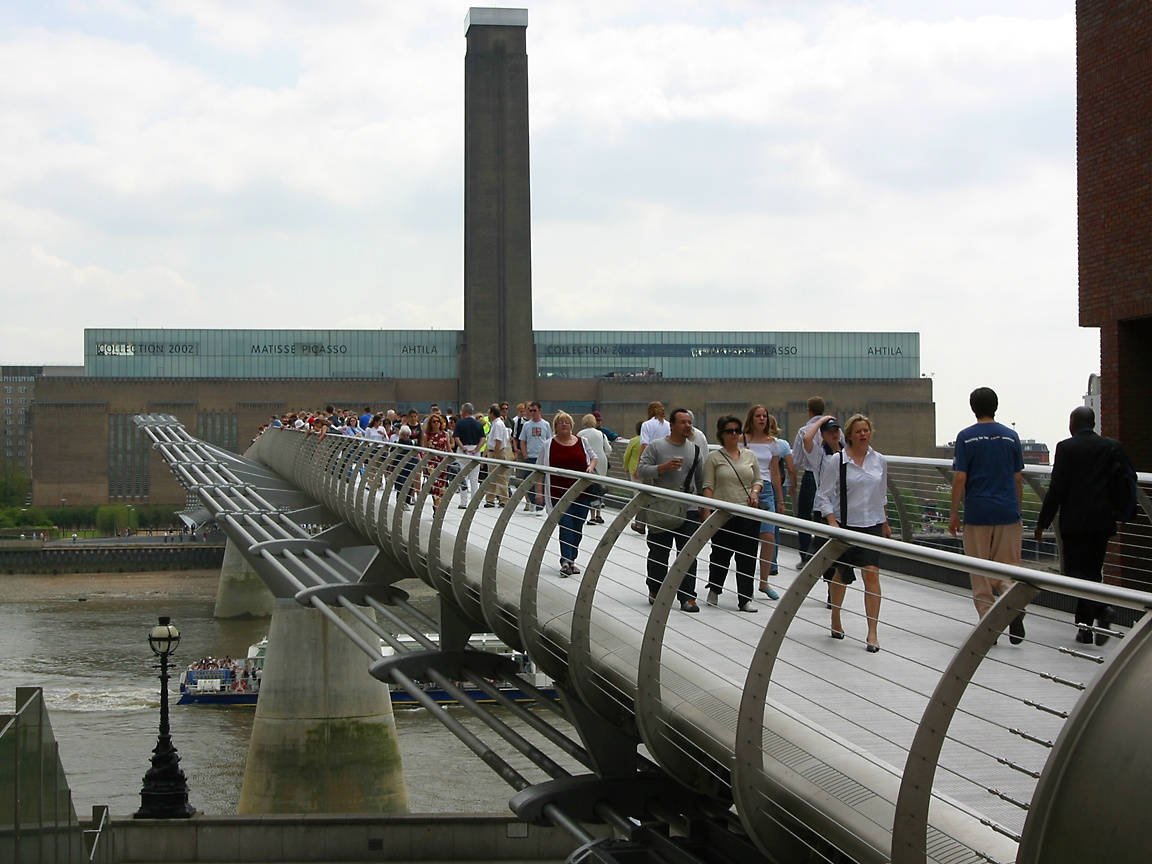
(598, 443)
(866, 495)
(566, 450)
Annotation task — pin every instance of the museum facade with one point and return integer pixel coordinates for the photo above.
(223, 384)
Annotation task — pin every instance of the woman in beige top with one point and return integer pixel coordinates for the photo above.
(732, 474)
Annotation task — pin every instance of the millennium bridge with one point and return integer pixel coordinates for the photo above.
(718, 736)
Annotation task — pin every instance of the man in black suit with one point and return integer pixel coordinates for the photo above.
(1079, 489)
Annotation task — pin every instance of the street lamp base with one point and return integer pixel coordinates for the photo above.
(160, 805)
(165, 791)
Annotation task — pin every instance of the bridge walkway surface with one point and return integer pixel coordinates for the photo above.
(871, 703)
(949, 745)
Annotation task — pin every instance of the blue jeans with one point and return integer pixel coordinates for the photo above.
(767, 502)
(572, 529)
(776, 529)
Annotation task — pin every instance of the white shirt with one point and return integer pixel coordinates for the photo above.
(764, 454)
(498, 434)
(597, 441)
(801, 458)
(867, 489)
(654, 428)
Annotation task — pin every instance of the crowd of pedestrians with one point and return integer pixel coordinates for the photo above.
(829, 474)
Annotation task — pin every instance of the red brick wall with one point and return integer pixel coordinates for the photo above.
(1114, 186)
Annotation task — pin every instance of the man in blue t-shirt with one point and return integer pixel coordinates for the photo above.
(988, 477)
(468, 436)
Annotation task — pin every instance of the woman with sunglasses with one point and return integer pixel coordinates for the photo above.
(732, 474)
(865, 495)
(436, 438)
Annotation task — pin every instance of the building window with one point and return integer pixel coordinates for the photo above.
(127, 459)
(219, 429)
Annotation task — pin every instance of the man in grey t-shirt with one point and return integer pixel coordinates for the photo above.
(675, 462)
(534, 436)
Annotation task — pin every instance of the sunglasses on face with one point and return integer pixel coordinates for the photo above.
(732, 431)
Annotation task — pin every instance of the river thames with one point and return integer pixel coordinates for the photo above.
(83, 639)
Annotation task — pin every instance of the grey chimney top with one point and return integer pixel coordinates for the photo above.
(486, 16)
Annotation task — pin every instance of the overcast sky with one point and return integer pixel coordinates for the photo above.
(720, 165)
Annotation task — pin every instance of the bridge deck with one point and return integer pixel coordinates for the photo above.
(867, 701)
(810, 735)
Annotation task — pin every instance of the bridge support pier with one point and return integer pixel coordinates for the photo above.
(241, 591)
(324, 738)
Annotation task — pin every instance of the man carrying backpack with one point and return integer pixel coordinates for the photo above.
(1091, 476)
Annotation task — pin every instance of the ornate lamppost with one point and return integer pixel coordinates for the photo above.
(165, 791)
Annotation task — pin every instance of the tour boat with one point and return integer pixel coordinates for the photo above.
(239, 684)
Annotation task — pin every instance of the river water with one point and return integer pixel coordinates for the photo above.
(83, 639)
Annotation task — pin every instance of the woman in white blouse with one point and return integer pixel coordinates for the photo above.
(598, 443)
(866, 482)
(763, 443)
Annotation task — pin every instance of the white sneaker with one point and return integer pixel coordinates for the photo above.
(748, 606)
(713, 597)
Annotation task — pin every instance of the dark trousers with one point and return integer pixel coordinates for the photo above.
(1084, 558)
(804, 500)
(532, 497)
(740, 536)
(407, 463)
(660, 545)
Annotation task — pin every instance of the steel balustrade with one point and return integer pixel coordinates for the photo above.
(937, 749)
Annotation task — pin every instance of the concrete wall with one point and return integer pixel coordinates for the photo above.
(335, 838)
(110, 559)
(324, 737)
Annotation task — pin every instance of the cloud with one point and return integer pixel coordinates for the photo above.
(807, 166)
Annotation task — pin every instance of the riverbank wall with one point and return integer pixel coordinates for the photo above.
(31, 557)
(331, 838)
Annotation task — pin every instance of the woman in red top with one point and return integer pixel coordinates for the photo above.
(436, 438)
(566, 450)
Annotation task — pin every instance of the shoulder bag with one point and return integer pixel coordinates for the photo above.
(665, 514)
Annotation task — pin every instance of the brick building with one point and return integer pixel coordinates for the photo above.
(1114, 190)
(222, 384)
